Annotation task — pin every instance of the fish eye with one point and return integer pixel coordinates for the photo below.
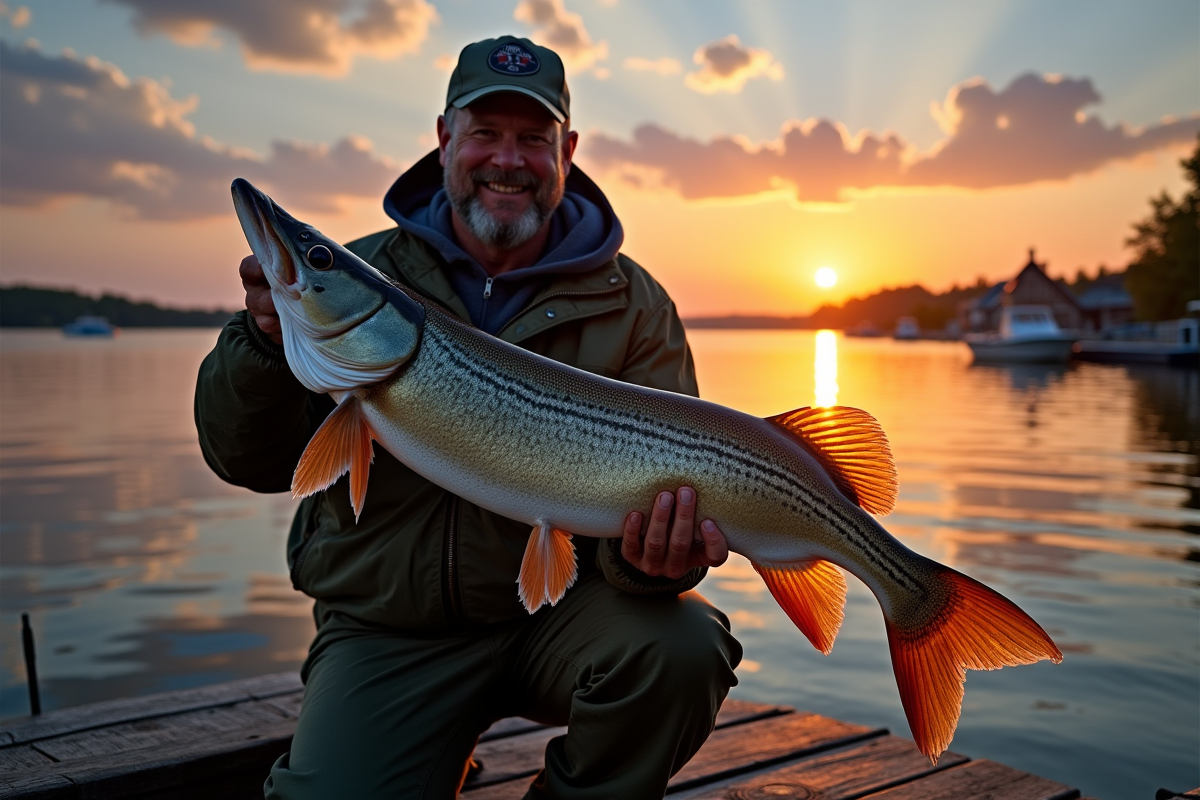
(320, 257)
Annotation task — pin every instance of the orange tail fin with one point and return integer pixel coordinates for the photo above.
(977, 628)
(343, 442)
(813, 594)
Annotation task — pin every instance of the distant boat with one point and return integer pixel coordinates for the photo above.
(907, 328)
(865, 328)
(89, 325)
(1175, 342)
(1028, 334)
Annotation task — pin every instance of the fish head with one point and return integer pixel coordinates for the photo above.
(345, 324)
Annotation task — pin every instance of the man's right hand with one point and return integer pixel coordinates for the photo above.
(258, 299)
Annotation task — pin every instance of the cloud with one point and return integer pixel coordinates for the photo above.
(725, 66)
(660, 66)
(1033, 130)
(18, 17)
(74, 127)
(563, 32)
(815, 159)
(1036, 129)
(317, 36)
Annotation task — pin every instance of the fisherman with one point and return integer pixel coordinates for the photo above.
(421, 641)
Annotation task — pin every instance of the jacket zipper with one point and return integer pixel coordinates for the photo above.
(450, 583)
(487, 294)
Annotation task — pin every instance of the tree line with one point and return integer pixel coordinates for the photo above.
(33, 307)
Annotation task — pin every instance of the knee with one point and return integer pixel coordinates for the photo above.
(684, 644)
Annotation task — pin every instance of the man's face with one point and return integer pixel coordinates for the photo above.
(506, 161)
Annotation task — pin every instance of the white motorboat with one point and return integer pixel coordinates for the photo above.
(1028, 334)
(907, 328)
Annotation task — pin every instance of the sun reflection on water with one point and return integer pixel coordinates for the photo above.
(825, 369)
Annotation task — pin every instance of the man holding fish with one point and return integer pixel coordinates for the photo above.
(421, 641)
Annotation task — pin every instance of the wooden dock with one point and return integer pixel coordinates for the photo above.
(220, 741)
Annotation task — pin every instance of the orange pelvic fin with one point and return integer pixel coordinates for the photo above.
(343, 442)
(548, 569)
(852, 448)
(813, 594)
(977, 628)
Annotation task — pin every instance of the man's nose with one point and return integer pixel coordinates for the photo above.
(507, 155)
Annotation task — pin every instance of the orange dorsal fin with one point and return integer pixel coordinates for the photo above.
(977, 628)
(343, 442)
(548, 569)
(852, 448)
(813, 593)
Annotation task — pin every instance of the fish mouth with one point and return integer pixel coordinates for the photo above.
(260, 223)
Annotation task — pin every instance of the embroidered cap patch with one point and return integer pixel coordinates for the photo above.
(513, 59)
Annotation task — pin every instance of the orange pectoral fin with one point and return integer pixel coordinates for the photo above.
(852, 448)
(548, 568)
(976, 629)
(813, 593)
(343, 442)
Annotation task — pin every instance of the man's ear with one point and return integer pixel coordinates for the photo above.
(443, 135)
(569, 142)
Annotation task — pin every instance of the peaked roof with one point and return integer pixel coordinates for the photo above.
(994, 296)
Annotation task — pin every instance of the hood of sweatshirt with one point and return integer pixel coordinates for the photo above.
(584, 234)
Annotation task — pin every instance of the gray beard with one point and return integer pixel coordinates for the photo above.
(492, 232)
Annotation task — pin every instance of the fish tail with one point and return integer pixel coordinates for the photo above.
(975, 628)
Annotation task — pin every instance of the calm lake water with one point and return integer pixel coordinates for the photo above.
(1074, 490)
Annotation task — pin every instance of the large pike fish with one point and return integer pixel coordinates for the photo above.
(571, 453)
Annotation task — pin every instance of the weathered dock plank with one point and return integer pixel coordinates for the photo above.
(741, 745)
(220, 742)
(980, 780)
(868, 766)
(520, 754)
(22, 757)
(98, 715)
(737, 750)
(195, 726)
(230, 765)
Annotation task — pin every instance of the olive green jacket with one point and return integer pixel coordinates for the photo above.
(420, 558)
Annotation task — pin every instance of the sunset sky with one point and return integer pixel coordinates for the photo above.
(744, 145)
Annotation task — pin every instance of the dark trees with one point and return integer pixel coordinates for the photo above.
(1165, 273)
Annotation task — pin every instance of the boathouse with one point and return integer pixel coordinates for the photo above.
(1031, 286)
(1106, 304)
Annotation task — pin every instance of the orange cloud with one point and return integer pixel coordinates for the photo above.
(563, 32)
(18, 17)
(293, 35)
(1033, 130)
(725, 66)
(72, 127)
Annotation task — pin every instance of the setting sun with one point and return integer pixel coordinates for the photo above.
(825, 277)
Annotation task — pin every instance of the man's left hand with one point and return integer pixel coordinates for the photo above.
(670, 546)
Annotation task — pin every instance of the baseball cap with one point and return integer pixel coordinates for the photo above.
(510, 64)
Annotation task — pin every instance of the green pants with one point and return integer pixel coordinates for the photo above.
(638, 681)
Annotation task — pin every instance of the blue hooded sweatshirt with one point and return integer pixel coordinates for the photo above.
(584, 234)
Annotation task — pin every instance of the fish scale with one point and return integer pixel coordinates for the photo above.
(638, 442)
(571, 453)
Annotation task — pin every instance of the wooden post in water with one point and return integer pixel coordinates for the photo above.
(35, 697)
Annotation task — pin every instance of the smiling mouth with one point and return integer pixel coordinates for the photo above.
(505, 188)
